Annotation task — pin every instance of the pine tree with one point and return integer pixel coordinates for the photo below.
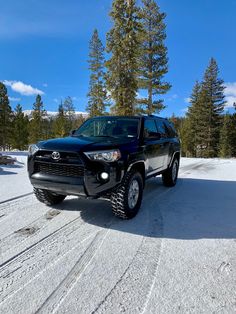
(5, 118)
(177, 122)
(47, 127)
(204, 117)
(226, 137)
(97, 92)
(186, 138)
(20, 131)
(212, 103)
(153, 57)
(78, 121)
(123, 45)
(60, 123)
(69, 110)
(36, 124)
(193, 121)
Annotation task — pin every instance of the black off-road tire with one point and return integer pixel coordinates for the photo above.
(119, 197)
(168, 177)
(48, 197)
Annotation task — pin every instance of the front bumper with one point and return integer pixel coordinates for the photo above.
(61, 185)
(88, 185)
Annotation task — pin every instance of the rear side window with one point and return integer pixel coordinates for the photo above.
(161, 127)
(171, 130)
(149, 128)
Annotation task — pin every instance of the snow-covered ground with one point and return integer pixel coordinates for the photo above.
(177, 256)
(13, 178)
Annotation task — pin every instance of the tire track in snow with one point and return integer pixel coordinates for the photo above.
(26, 233)
(134, 285)
(2, 215)
(25, 267)
(16, 198)
(134, 288)
(42, 271)
(58, 296)
(38, 245)
(13, 211)
(13, 205)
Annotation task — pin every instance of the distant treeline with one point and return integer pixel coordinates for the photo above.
(17, 131)
(192, 147)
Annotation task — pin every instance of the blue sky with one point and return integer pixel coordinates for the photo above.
(44, 47)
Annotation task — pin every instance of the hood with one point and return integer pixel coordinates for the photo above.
(77, 144)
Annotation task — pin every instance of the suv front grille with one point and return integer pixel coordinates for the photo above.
(59, 169)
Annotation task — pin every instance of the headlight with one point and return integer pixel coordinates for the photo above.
(33, 149)
(104, 155)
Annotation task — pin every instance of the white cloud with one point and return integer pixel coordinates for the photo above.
(22, 88)
(187, 100)
(172, 97)
(56, 100)
(14, 99)
(184, 110)
(230, 94)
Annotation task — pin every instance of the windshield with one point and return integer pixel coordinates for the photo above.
(109, 127)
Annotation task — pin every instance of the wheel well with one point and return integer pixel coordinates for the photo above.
(140, 167)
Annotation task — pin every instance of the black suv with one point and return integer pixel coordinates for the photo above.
(107, 157)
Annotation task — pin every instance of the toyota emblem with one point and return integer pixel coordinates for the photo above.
(55, 155)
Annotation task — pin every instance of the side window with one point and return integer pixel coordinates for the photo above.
(161, 128)
(149, 128)
(171, 131)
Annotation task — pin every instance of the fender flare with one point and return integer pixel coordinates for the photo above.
(173, 156)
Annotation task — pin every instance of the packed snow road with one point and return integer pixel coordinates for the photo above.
(177, 256)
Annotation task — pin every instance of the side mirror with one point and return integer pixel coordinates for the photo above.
(72, 132)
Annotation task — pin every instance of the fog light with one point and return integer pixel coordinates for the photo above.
(104, 175)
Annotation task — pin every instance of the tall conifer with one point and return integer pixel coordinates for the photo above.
(36, 124)
(5, 118)
(20, 130)
(97, 93)
(69, 110)
(123, 47)
(226, 137)
(204, 117)
(59, 124)
(212, 108)
(193, 118)
(153, 57)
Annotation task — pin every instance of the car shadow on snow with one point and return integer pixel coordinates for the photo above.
(193, 209)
